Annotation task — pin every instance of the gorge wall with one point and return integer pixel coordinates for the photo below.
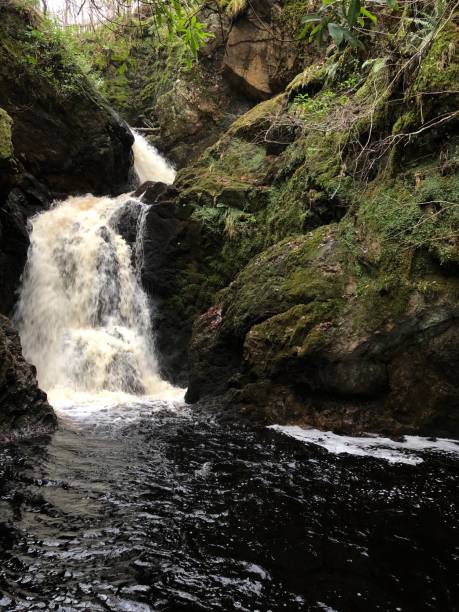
(248, 58)
(313, 248)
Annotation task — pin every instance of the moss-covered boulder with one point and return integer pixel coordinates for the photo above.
(297, 323)
(326, 256)
(6, 146)
(6, 151)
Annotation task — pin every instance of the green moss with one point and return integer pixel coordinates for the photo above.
(404, 123)
(312, 187)
(417, 210)
(286, 337)
(42, 51)
(311, 80)
(258, 119)
(6, 146)
(439, 69)
(283, 275)
(236, 159)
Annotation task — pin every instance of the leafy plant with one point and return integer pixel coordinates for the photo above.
(232, 222)
(180, 21)
(320, 104)
(54, 53)
(340, 20)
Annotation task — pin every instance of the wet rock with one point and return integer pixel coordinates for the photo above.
(170, 250)
(151, 191)
(24, 409)
(19, 204)
(125, 221)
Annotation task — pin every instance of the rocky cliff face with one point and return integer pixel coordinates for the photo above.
(261, 53)
(324, 283)
(57, 137)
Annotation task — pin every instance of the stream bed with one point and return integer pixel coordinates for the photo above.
(150, 507)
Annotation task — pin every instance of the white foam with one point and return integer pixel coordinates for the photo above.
(114, 408)
(371, 446)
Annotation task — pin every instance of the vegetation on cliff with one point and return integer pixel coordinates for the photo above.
(362, 147)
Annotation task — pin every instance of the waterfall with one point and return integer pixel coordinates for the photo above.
(82, 314)
(149, 163)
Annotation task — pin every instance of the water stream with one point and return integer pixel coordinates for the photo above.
(138, 503)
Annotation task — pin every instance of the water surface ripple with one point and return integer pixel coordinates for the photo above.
(168, 511)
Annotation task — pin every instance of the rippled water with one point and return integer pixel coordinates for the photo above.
(153, 508)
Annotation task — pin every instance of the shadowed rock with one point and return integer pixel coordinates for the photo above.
(24, 408)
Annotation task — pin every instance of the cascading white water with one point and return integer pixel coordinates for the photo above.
(149, 163)
(82, 315)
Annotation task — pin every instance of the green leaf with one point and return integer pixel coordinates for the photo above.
(316, 32)
(366, 13)
(376, 64)
(336, 32)
(308, 20)
(352, 40)
(311, 18)
(353, 12)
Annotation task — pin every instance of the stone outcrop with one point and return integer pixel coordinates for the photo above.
(63, 132)
(261, 55)
(23, 406)
(248, 58)
(291, 340)
(171, 249)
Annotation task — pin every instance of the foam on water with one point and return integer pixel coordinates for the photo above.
(371, 446)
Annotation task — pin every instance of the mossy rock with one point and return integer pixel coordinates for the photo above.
(439, 69)
(6, 145)
(288, 273)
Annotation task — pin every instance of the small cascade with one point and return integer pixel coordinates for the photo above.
(82, 314)
(149, 163)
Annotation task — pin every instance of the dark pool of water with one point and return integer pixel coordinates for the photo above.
(171, 512)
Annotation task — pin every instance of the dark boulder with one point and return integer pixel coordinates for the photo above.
(21, 203)
(125, 221)
(24, 408)
(150, 191)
